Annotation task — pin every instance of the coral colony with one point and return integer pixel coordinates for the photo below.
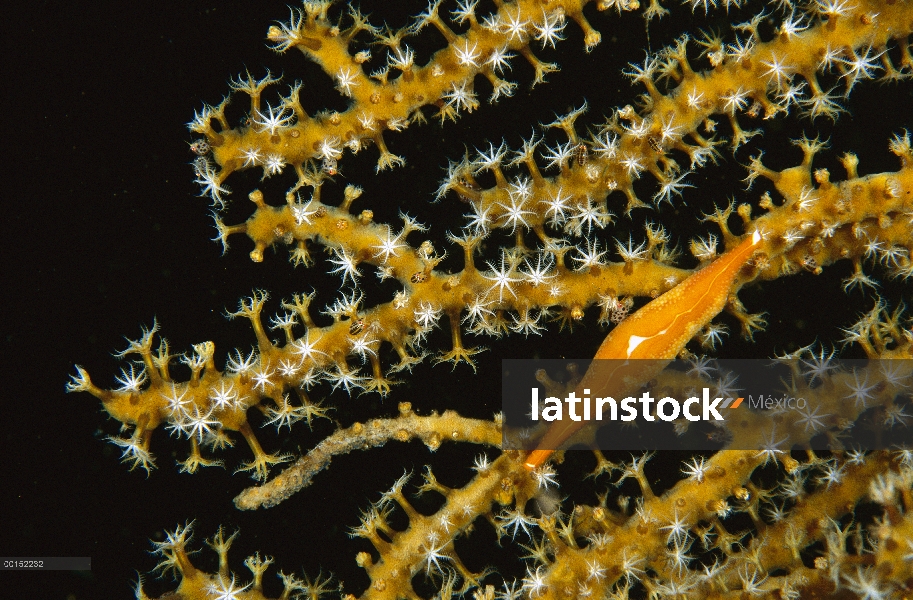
(560, 229)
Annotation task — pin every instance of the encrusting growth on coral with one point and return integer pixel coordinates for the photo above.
(534, 250)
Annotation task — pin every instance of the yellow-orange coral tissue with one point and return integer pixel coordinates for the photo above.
(577, 226)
